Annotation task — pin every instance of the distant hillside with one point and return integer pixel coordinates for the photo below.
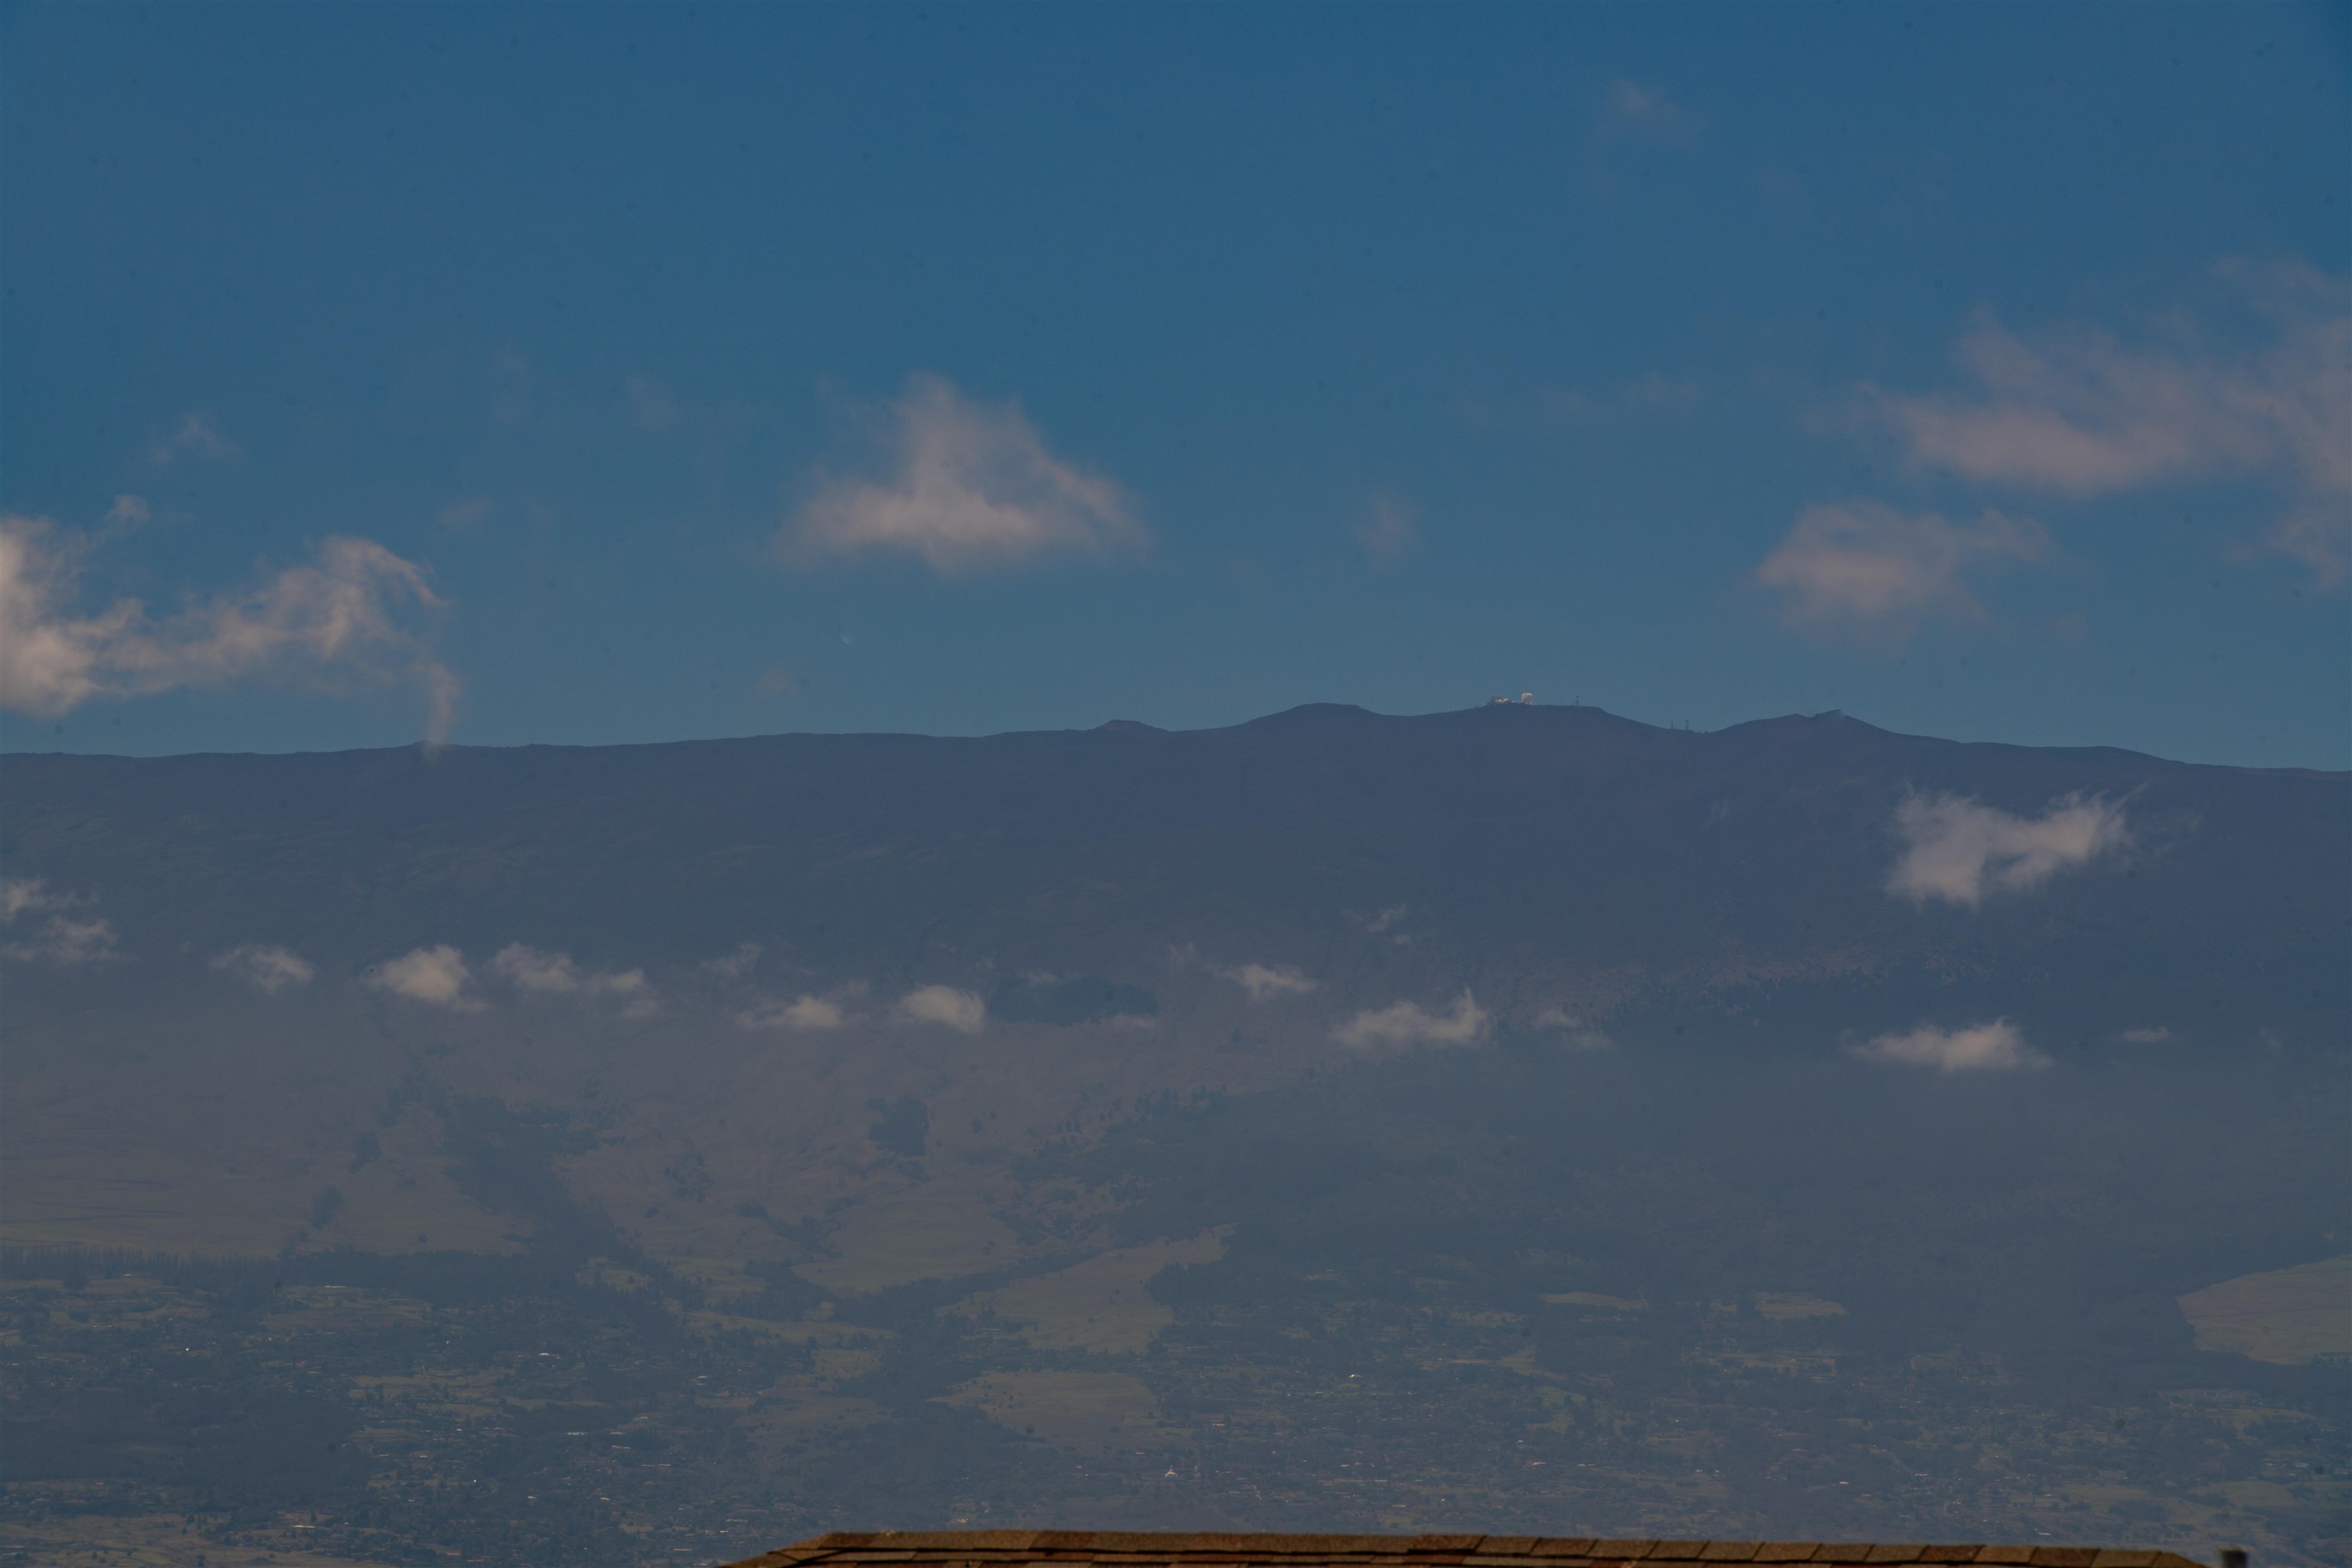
(1538, 855)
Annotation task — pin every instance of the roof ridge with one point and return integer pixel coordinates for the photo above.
(1230, 1549)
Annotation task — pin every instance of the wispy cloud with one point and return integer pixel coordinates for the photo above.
(435, 975)
(195, 435)
(1575, 1032)
(266, 965)
(970, 487)
(63, 940)
(537, 973)
(1653, 392)
(1961, 851)
(1642, 111)
(732, 965)
(27, 895)
(1997, 1047)
(1388, 530)
(1405, 1024)
(1865, 567)
(2077, 412)
(547, 973)
(1264, 982)
(944, 1006)
(347, 618)
(2145, 1036)
(803, 1013)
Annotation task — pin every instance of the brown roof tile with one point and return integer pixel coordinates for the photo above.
(1894, 1553)
(1787, 1550)
(1620, 1550)
(1730, 1552)
(2063, 1556)
(2005, 1555)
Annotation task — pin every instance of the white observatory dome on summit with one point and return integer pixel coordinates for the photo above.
(1524, 699)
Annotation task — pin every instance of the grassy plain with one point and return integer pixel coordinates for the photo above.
(2284, 1316)
(1101, 1305)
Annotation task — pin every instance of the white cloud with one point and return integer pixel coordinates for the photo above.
(193, 437)
(2154, 1036)
(1404, 1024)
(1864, 566)
(267, 965)
(972, 487)
(1388, 530)
(1265, 981)
(65, 942)
(1637, 111)
(541, 973)
(341, 620)
(946, 1006)
(1957, 849)
(2078, 412)
(1575, 1032)
(437, 975)
(1989, 1047)
(806, 1012)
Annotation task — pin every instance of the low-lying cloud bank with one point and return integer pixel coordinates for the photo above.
(1997, 1047)
(1403, 1024)
(1961, 851)
(440, 976)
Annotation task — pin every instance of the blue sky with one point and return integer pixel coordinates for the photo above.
(607, 373)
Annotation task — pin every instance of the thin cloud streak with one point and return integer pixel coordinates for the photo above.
(1264, 982)
(266, 966)
(1997, 1047)
(805, 1012)
(1866, 568)
(2080, 413)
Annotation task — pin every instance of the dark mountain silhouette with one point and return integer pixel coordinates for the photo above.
(1527, 853)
